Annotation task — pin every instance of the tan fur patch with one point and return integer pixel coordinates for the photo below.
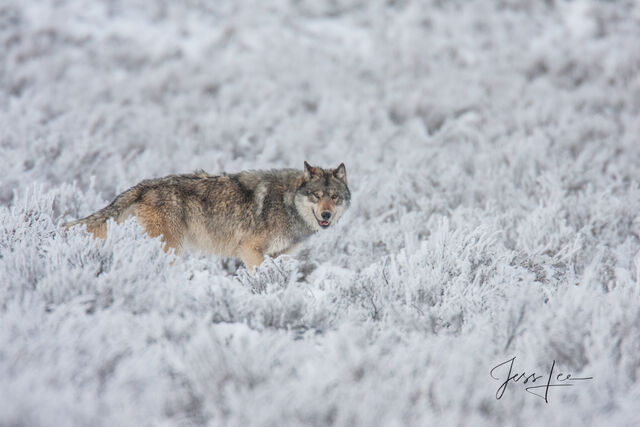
(157, 223)
(251, 252)
(99, 231)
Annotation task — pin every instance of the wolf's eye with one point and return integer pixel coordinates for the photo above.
(334, 197)
(317, 195)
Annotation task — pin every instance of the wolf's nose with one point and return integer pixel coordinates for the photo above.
(326, 215)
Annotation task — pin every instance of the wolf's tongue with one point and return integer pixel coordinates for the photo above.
(323, 222)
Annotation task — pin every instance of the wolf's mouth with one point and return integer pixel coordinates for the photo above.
(321, 223)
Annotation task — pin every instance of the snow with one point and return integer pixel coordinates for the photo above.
(492, 151)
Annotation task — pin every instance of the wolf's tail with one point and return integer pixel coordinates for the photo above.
(120, 209)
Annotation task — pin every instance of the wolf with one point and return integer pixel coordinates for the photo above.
(245, 215)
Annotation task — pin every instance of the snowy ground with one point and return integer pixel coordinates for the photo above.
(492, 149)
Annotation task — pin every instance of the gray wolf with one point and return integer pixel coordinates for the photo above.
(246, 215)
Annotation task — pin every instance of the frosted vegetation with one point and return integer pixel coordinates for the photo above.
(492, 150)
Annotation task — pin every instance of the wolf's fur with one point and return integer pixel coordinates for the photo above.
(246, 215)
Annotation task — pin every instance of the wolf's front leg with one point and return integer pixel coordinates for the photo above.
(251, 255)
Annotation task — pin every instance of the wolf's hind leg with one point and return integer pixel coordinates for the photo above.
(161, 222)
(99, 230)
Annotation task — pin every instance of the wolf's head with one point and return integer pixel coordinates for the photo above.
(322, 195)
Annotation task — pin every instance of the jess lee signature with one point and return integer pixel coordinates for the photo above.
(541, 390)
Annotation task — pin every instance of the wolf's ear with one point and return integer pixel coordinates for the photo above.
(341, 173)
(310, 171)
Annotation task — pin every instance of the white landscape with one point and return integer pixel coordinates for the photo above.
(493, 155)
